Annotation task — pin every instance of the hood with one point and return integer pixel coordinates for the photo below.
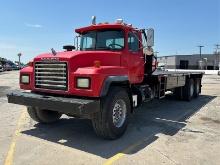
(76, 59)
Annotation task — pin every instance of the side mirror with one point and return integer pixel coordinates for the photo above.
(150, 37)
(69, 47)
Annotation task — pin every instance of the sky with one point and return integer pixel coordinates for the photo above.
(33, 27)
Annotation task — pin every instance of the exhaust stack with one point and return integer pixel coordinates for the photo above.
(93, 20)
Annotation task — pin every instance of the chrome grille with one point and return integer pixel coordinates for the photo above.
(51, 75)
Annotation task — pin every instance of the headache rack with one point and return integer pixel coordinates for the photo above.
(51, 75)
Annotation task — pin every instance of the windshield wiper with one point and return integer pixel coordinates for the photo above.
(89, 49)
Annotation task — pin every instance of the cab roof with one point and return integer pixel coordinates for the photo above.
(104, 26)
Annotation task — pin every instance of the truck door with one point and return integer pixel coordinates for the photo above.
(136, 58)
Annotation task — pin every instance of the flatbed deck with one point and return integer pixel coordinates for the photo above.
(170, 80)
(175, 73)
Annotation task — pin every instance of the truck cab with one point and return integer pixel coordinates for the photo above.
(105, 50)
(104, 78)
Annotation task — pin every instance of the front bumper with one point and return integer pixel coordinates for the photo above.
(72, 106)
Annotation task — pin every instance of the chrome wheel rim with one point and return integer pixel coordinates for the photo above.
(119, 113)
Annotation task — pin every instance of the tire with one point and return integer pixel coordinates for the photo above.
(108, 123)
(197, 87)
(43, 116)
(188, 90)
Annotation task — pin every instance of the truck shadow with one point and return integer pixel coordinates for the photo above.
(4, 90)
(166, 116)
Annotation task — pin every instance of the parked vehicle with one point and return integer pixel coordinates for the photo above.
(112, 73)
(7, 67)
(15, 67)
(1, 68)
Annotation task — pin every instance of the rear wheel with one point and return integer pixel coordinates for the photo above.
(43, 116)
(188, 90)
(112, 120)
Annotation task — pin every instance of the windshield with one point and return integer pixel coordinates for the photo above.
(102, 40)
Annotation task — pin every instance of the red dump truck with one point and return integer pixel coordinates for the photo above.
(104, 77)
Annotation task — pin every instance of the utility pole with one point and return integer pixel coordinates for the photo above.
(19, 60)
(200, 56)
(217, 56)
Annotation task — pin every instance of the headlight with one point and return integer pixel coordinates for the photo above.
(25, 79)
(83, 83)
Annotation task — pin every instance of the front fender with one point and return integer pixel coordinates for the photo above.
(110, 80)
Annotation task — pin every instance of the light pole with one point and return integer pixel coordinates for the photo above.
(200, 51)
(200, 56)
(19, 60)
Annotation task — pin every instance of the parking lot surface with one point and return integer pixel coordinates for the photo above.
(164, 131)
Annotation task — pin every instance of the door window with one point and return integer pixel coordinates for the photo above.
(133, 43)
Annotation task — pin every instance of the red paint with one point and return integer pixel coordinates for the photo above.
(81, 64)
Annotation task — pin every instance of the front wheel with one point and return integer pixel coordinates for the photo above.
(112, 120)
(43, 115)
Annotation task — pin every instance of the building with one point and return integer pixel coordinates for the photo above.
(194, 61)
